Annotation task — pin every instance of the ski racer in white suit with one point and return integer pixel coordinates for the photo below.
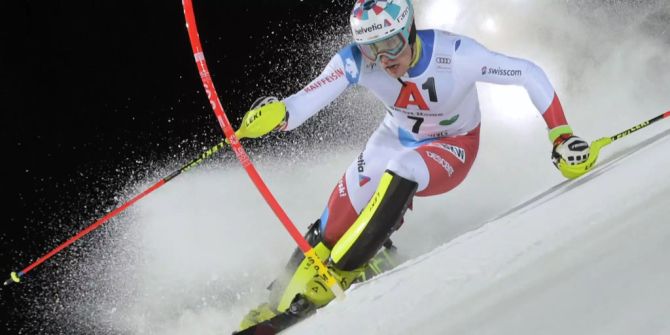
(428, 139)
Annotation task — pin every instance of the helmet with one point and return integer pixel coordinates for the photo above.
(382, 27)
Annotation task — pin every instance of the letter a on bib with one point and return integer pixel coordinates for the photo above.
(410, 95)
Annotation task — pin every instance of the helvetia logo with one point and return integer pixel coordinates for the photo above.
(360, 163)
(369, 29)
(362, 180)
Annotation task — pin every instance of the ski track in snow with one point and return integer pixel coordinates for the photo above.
(579, 257)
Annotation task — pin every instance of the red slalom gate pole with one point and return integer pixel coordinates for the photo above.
(242, 156)
(16, 277)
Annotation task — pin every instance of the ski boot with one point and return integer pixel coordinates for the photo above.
(318, 292)
(385, 260)
(299, 309)
(257, 315)
(300, 279)
(316, 295)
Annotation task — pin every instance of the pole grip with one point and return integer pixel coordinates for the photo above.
(574, 171)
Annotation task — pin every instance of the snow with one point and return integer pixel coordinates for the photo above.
(591, 259)
(515, 249)
(560, 257)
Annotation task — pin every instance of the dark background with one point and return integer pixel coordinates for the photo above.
(93, 92)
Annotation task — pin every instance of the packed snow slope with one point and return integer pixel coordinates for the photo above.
(589, 256)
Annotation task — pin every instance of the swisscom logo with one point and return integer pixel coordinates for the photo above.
(501, 72)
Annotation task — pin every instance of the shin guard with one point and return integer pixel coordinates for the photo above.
(381, 216)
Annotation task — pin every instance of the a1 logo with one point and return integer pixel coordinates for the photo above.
(410, 95)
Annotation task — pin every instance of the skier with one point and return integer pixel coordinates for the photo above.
(425, 145)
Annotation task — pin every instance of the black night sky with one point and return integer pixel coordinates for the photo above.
(93, 91)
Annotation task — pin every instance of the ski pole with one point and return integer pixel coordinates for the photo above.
(16, 277)
(242, 156)
(574, 171)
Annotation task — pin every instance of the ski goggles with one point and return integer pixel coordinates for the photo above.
(390, 47)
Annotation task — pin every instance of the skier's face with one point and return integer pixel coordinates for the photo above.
(398, 66)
